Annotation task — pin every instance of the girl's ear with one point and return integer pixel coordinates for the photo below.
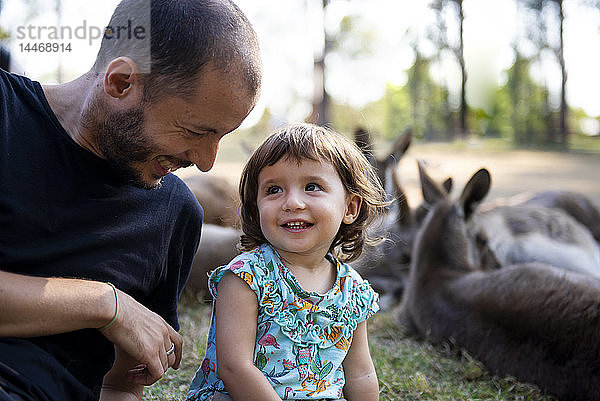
(353, 204)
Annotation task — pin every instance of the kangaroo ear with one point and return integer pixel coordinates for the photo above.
(447, 184)
(399, 148)
(475, 190)
(404, 213)
(402, 144)
(432, 191)
(362, 139)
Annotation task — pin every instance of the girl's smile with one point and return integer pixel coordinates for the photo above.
(296, 226)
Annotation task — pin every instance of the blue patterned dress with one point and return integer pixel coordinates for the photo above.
(301, 337)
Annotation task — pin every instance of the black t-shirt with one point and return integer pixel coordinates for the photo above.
(4, 59)
(65, 213)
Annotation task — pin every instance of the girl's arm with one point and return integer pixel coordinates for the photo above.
(236, 311)
(361, 379)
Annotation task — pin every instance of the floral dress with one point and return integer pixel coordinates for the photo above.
(301, 337)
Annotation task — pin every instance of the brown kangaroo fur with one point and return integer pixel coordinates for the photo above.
(218, 245)
(533, 321)
(218, 197)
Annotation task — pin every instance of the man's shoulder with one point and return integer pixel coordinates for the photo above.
(178, 188)
(20, 97)
(180, 195)
(14, 81)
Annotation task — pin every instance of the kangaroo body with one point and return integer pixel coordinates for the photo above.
(533, 321)
(218, 245)
(530, 233)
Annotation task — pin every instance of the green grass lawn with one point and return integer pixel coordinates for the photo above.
(407, 369)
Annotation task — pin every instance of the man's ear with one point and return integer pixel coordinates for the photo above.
(353, 204)
(122, 78)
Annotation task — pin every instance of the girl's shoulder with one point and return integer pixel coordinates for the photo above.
(253, 267)
(355, 290)
(347, 272)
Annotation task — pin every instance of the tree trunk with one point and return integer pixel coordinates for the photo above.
(564, 130)
(320, 101)
(464, 129)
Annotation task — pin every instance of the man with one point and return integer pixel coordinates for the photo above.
(96, 237)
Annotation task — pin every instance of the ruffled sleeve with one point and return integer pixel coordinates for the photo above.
(365, 301)
(361, 298)
(303, 317)
(247, 267)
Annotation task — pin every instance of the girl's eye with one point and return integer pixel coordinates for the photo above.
(312, 187)
(273, 189)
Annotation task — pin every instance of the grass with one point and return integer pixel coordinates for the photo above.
(407, 369)
(585, 143)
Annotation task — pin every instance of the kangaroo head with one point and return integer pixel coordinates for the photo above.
(387, 165)
(443, 240)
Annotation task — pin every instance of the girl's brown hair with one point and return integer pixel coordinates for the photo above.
(306, 141)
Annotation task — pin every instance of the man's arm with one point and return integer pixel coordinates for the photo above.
(36, 306)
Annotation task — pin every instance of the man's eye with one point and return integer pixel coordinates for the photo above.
(273, 189)
(312, 187)
(194, 133)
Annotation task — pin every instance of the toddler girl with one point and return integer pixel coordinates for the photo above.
(289, 316)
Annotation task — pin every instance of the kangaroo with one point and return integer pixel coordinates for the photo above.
(541, 227)
(533, 321)
(386, 264)
(574, 204)
(218, 245)
(218, 197)
(531, 232)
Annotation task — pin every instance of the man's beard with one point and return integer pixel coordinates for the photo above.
(123, 142)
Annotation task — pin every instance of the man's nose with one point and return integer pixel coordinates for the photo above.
(204, 155)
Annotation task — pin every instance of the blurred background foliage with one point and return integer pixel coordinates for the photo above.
(519, 109)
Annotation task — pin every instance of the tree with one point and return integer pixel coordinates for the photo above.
(545, 41)
(341, 40)
(530, 114)
(320, 103)
(431, 116)
(441, 38)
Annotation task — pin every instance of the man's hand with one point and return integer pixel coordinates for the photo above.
(145, 337)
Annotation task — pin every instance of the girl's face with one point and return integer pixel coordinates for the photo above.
(301, 207)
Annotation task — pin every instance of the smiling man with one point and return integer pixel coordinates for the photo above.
(96, 235)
